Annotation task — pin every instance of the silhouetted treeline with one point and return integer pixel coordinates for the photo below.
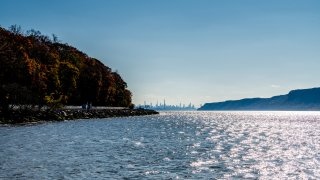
(38, 70)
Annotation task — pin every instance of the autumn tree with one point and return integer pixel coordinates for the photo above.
(50, 72)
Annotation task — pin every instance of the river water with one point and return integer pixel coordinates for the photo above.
(172, 145)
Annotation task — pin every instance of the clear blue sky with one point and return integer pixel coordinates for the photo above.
(188, 50)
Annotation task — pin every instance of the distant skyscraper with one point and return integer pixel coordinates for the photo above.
(167, 107)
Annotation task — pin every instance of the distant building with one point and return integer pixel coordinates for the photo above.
(166, 107)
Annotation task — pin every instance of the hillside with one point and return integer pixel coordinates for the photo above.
(303, 99)
(38, 70)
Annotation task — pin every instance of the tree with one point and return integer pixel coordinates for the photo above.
(55, 38)
(69, 75)
(15, 29)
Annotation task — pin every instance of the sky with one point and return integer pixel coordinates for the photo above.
(186, 51)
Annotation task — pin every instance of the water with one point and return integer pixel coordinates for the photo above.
(172, 145)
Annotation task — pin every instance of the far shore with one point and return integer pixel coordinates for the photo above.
(69, 113)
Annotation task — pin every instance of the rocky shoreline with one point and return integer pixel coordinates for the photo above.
(30, 116)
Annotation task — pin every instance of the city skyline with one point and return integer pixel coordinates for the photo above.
(164, 106)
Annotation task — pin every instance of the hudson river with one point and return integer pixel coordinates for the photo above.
(172, 145)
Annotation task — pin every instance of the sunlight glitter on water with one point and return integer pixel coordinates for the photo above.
(267, 144)
(185, 145)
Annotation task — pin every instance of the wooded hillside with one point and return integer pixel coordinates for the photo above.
(38, 70)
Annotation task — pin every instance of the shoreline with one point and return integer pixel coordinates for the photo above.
(31, 116)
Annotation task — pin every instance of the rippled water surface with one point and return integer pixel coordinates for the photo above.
(172, 145)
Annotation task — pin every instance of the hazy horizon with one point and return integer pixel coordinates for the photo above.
(186, 50)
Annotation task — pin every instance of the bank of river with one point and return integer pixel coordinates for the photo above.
(30, 116)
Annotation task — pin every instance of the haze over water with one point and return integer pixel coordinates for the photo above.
(185, 145)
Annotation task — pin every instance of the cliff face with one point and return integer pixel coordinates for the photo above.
(303, 99)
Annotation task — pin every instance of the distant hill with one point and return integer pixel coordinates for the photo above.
(302, 99)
